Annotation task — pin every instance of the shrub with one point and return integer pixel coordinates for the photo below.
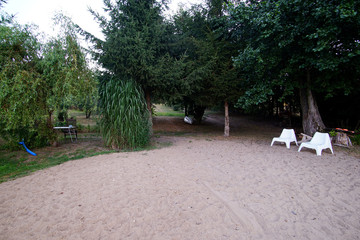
(124, 119)
(355, 139)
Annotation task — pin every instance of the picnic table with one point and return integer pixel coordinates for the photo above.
(68, 130)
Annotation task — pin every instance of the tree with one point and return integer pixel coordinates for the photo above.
(225, 82)
(298, 45)
(4, 17)
(88, 99)
(210, 68)
(131, 54)
(36, 79)
(22, 91)
(134, 42)
(64, 67)
(191, 27)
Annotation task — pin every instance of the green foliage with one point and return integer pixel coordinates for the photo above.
(171, 79)
(280, 40)
(4, 17)
(255, 96)
(88, 97)
(68, 79)
(134, 44)
(203, 38)
(332, 133)
(88, 103)
(18, 164)
(135, 47)
(170, 114)
(287, 46)
(191, 27)
(140, 45)
(9, 167)
(21, 85)
(37, 79)
(125, 119)
(355, 139)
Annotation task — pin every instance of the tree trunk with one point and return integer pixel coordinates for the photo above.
(199, 113)
(49, 120)
(271, 108)
(311, 118)
(227, 120)
(87, 114)
(50, 131)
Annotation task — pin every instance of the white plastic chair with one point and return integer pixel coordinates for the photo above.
(188, 120)
(319, 142)
(287, 136)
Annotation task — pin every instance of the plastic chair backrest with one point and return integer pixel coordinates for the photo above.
(321, 138)
(287, 133)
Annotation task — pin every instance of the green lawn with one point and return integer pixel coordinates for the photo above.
(19, 163)
(163, 110)
(81, 118)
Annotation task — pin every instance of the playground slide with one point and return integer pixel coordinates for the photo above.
(32, 153)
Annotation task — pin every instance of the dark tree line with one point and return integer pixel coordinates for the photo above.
(259, 56)
(265, 57)
(308, 49)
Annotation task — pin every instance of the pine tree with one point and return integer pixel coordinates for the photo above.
(133, 51)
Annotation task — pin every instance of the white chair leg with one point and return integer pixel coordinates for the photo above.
(300, 147)
(318, 152)
(287, 145)
(272, 142)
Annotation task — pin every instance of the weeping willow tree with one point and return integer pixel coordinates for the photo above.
(21, 88)
(124, 122)
(36, 79)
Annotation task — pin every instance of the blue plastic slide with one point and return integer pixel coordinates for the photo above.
(32, 153)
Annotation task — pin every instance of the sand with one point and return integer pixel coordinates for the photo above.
(203, 187)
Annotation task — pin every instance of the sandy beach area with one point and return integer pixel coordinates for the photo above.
(198, 187)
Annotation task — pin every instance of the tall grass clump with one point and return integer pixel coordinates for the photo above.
(124, 119)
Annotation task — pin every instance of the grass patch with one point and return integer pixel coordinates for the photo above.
(18, 164)
(81, 119)
(166, 111)
(170, 114)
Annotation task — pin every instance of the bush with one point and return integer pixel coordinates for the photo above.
(33, 137)
(62, 116)
(177, 107)
(125, 118)
(355, 140)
